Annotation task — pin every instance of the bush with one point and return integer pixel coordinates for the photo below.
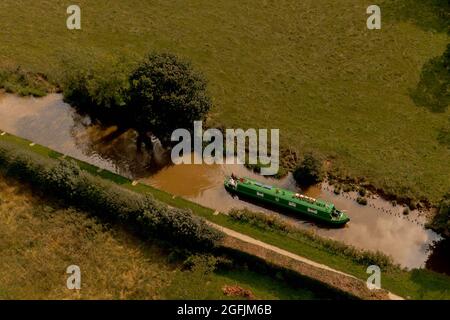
(309, 171)
(24, 83)
(412, 205)
(362, 201)
(166, 94)
(347, 188)
(272, 222)
(103, 95)
(259, 219)
(149, 217)
(202, 262)
(362, 191)
(161, 94)
(282, 172)
(337, 190)
(441, 222)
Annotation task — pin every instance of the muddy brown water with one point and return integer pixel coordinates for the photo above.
(379, 226)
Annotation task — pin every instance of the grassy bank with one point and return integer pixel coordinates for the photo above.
(25, 83)
(310, 68)
(441, 221)
(39, 239)
(417, 284)
(272, 222)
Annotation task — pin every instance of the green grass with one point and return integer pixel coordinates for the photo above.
(415, 284)
(39, 239)
(310, 68)
(24, 83)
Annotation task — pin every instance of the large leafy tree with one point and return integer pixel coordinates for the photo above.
(161, 94)
(165, 94)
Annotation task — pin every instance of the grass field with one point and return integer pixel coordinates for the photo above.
(40, 239)
(310, 68)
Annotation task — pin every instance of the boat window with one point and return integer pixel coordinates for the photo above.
(335, 213)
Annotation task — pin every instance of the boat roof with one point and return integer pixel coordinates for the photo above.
(290, 195)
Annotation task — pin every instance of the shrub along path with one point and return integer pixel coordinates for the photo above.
(306, 267)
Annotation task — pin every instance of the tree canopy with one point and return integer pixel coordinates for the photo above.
(166, 94)
(161, 94)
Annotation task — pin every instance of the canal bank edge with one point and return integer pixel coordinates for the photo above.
(221, 220)
(305, 267)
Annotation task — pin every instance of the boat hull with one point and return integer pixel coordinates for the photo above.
(283, 204)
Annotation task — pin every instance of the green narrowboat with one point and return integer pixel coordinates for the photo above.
(315, 209)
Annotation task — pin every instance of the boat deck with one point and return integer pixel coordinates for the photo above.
(287, 195)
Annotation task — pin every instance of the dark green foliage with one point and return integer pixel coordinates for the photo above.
(337, 189)
(161, 94)
(412, 205)
(309, 171)
(204, 262)
(362, 191)
(272, 222)
(433, 90)
(166, 94)
(444, 214)
(282, 172)
(441, 221)
(362, 201)
(24, 83)
(259, 219)
(148, 216)
(347, 188)
(103, 95)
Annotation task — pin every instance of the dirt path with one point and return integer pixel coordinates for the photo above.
(332, 277)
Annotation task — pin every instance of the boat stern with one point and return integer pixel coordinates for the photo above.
(341, 219)
(230, 183)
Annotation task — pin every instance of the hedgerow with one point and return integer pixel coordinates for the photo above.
(25, 83)
(65, 180)
(272, 222)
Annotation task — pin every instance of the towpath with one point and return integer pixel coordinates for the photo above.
(323, 273)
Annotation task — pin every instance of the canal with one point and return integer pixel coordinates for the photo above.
(378, 226)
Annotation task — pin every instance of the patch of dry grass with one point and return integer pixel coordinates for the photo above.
(40, 239)
(38, 242)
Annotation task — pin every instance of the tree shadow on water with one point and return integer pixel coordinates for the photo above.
(120, 149)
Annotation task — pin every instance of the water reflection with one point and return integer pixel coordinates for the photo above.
(379, 226)
(51, 122)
